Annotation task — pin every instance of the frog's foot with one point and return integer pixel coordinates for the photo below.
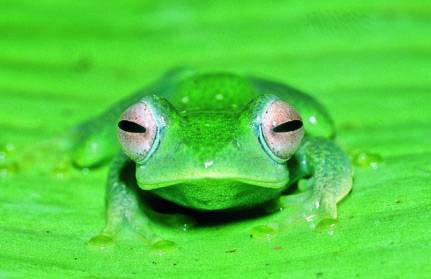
(137, 224)
(157, 244)
(314, 208)
(137, 221)
(330, 181)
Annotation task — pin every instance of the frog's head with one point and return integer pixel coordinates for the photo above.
(211, 159)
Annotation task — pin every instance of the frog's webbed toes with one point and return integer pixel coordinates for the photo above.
(319, 208)
(330, 179)
(113, 230)
(313, 208)
(140, 227)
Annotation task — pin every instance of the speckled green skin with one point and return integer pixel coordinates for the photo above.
(209, 156)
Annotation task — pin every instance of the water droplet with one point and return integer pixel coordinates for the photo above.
(327, 226)
(101, 241)
(186, 227)
(367, 159)
(219, 97)
(162, 247)
(263, 232)
(312, 119)
(185, 99)
(208, 164)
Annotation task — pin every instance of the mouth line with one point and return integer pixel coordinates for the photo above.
(147, 185)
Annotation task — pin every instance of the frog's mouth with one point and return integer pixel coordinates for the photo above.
(208, 181)
(245, 173)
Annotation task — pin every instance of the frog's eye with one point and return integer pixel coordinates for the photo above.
(282, 129)
(137, 130)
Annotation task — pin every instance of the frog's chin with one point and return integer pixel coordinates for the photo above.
(210, 194)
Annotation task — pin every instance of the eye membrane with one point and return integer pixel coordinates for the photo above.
(131, 127)
(288, 126)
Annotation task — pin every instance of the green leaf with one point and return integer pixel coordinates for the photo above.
(62, 62)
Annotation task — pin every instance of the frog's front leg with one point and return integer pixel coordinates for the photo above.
(123, 204)
(330, 179)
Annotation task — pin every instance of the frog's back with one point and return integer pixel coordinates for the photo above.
(231, 93)
(211, 92)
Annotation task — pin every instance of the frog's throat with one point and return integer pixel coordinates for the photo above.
(151, 185)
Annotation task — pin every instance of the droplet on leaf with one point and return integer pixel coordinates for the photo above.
(162, 247)
(263, 232)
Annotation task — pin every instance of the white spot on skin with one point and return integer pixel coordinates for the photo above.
(208, 164)
(309, 218)
(185, 99)
(234, 106)
(219, 97)
(312, 119)
(94, 146)
(162, 121)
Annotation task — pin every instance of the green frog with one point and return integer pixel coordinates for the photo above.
(213, 142)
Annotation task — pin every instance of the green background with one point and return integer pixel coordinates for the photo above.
(368, 62)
